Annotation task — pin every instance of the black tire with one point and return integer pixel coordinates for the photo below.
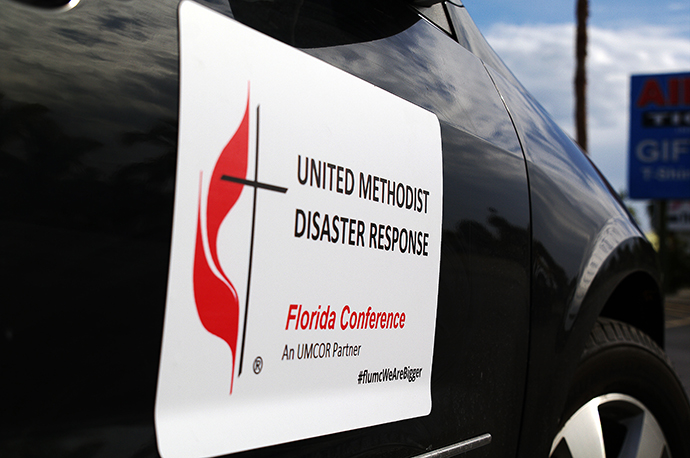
(624, 386)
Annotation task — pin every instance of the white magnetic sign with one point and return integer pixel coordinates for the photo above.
(305, 254)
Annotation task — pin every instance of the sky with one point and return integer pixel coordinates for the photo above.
(536, 39)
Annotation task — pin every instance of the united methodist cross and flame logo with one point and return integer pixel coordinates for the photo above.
(215, 295)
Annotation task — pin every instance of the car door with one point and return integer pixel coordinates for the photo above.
(480, 349)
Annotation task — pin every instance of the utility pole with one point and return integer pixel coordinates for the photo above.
(581, 74)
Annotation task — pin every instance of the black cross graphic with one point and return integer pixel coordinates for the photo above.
(255, 184)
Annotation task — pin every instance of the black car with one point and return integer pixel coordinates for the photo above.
(309, 228)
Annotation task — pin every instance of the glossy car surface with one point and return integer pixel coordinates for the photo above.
(535, 245)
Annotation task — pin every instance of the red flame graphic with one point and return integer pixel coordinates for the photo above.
(216, 298)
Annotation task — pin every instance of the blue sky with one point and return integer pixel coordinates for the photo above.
(603, 13)
(536, 40)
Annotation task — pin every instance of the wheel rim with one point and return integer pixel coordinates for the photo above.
(613, 426)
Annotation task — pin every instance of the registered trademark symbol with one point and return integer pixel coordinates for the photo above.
(258, 365)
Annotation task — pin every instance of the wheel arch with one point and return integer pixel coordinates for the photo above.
(619, 280)
(626, 288)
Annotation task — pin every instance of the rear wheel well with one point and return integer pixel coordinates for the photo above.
(637, 301)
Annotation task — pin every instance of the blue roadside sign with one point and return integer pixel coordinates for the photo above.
(659, 152)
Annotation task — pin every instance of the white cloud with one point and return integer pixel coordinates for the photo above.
(542, 58)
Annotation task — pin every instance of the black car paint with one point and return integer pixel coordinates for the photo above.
(88, 131)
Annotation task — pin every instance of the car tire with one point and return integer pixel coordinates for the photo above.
(625, 400)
